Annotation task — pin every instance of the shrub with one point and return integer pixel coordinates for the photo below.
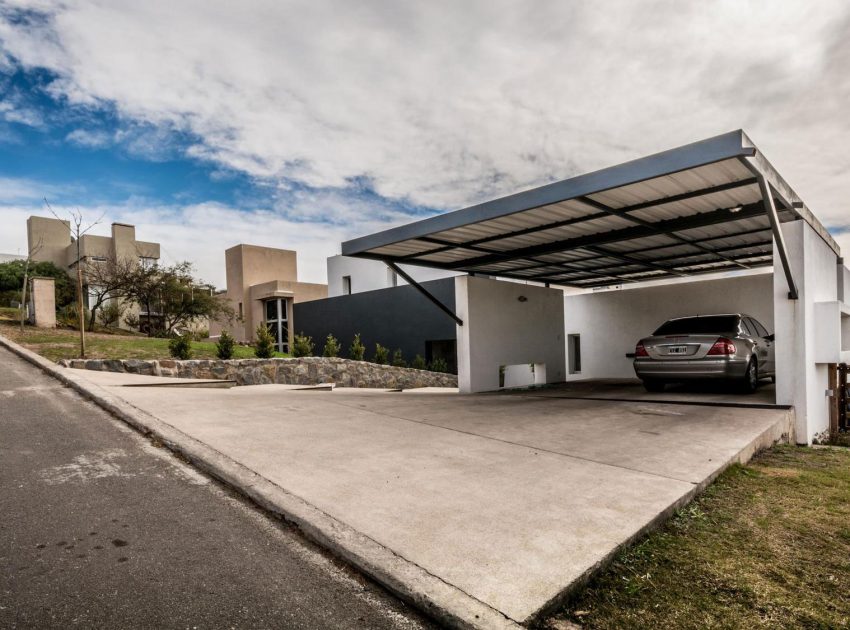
(200, 334)
(302, 346)
(67, 316)
(180, 347)
(331, 347)
(418, 363)
(398, 359)
(132, 321)
(439, 365)
(357, 350)
(264, 347)
(110, 314)
(382, 354)
(224, 345)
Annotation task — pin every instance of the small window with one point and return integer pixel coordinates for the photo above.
(240, 310)
(346, 285)
(392, 278)
(574, 352)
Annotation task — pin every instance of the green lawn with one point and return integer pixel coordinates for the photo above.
(766, 546)
(56, 344)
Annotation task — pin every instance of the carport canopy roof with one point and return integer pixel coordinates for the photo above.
(690, 210)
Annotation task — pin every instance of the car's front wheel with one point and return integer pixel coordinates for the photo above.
(653, 385)
(750, 382)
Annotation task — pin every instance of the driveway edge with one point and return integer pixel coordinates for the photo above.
(433, 596)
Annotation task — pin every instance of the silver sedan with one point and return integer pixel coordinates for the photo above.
(735, 347)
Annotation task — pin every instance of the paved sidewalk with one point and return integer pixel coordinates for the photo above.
(509, 499)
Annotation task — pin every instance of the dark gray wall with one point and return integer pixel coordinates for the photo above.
(397, 317)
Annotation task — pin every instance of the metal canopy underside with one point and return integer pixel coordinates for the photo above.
(695, 209)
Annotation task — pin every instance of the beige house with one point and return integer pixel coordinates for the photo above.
(50, 240)
(53, 238)
(262, 286)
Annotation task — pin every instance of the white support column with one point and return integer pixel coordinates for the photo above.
(801, 380)
(507, 323)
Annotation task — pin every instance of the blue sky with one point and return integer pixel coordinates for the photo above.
(301, 124)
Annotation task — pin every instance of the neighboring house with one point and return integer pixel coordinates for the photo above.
(262, 287)
(50, 240)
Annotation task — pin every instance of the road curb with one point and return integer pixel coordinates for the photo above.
(433, 596)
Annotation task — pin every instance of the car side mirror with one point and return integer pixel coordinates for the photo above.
(771, 337)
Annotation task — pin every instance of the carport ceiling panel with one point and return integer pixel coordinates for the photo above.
(659, 188)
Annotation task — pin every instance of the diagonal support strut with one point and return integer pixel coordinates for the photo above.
(424, 291)
(779, 239)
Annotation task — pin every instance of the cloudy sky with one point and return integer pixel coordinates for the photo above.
(301, 124)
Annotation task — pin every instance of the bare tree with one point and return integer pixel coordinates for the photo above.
(77, 232)
(30, 255)
(107, 279)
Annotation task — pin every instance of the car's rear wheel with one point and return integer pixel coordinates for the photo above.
(750, 382)
(654, 385)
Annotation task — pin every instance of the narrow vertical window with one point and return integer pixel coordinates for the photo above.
(346, 285)
(574, 352)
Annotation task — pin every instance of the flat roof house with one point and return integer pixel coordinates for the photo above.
(262, 286)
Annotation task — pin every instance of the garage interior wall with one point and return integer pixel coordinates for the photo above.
(609, 323)
(507, 323)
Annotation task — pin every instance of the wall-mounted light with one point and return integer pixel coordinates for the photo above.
(522, 298)
(735, 209)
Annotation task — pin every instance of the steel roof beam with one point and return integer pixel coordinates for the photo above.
(703, 219)
(665, 259)
(662, 201)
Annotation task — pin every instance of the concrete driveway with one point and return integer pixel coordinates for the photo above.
(509, 498)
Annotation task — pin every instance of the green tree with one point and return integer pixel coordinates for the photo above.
(398, 359)
(264, 346)
(331, 347)
(180, 347)
(382, 354)
(418, 363)
(357, 350)
(171, 299)
(12, 280)
(224, 345)
(302, 346)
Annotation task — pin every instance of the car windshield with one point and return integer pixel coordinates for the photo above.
(699, 325)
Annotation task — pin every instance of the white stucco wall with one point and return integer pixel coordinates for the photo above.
(368, 275)
(500, 329)
(801, 380)
(611, 322)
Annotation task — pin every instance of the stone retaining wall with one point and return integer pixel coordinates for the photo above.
(303, 371)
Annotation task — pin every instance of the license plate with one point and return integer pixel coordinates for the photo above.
(677, 349)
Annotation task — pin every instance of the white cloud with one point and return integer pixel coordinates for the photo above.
(446, 103)
(93, 139)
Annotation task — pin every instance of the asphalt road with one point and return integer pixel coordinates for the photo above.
(99, 528)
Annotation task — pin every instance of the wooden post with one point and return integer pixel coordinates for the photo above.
(833, 399)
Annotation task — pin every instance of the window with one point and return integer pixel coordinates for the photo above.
(278, 323)
(708, 324)
(146, 262)
(240, 311)
(574, 353)
(762, 331)
(346, 285)
(392, 278)
(748, 328)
